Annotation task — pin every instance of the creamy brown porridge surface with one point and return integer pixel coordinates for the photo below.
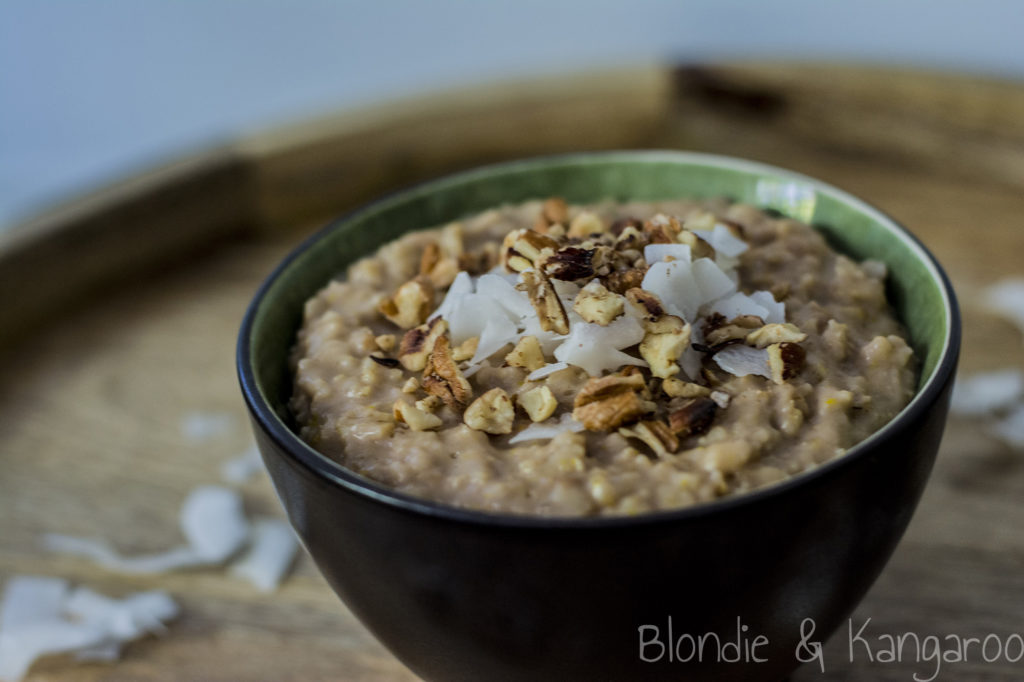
(683, 351)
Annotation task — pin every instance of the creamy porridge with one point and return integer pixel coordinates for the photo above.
(610, 359)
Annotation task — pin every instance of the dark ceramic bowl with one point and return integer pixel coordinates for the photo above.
(467, 595)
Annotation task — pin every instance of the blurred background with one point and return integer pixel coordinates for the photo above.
(94, 91)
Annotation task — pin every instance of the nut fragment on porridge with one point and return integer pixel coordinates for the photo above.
(674, 351)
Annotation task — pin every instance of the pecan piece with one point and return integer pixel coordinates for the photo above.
(621, 281)
(622, 224)
(677, 388)
(785, 360)
(546, 302)
(411, 303)
(666, 336)
(693, 417)
(418, 342)
(441, 376)
(775, 333)
(596, 304)
(524, 249)
(491, 413)
(605, 403)
(655, 434)
(718, 333)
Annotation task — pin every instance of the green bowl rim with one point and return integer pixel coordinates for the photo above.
(320, 465)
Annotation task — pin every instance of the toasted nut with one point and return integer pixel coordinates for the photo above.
(775, 333)
(785, 360)
(415, 418)
(466, 349)
(451, 240)
(677, 388)
(546, 302)
(698, 247)
(386, 342)
(663, 344)
(621, 281)
(429, 404)
(631, 239)
(662, 229)
(570, 263)
(655, 434)
(620, 225)
(527, 354)
(553, 211)
(718, 332)
(444, 273)
(411, 385)
(701, 220)
(538, 403)
(418, 342)
(585, 224)
(441, 376)
(522, 247)
(646, 303)
(478, 262)
(430, 258)
(411, 303)
(693, 417)
(596, 304)
(491, 413)
(605, 403)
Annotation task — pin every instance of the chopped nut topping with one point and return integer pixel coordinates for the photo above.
(662, 229)
(415, 418)
(411, 303)
(698, 247)
(429, 404)
(677, 388)
(525, 249)
(451, 240)
(586, 224)
(596, 304)
(386, 342)
(693, 417)
(570, 263)
(775, 333)
(430, 257)
(785, 360)
(411, 385)
(666, 336)
(553, 211)
(538, 403)
(622, 224)
(466, 349)
(655, 434)
(621, 281)
(648, 304)
(418, 342)
(718, 332)
(527, 354)
(491, 413)
(605, 403)
(545, 301)
(441, 376)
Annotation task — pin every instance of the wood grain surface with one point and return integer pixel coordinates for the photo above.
(93, 399)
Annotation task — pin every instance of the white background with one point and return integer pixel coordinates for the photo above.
(91, 90)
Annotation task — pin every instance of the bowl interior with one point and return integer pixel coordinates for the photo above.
(916, 287)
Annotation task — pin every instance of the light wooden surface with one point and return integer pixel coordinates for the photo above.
(93, 401)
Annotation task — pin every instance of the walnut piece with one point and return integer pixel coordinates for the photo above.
(545, 301)
(414, 417)
(441, 376)
(665, 336)
(411, 303)
(621, 281)
(775, 333)
(553, 211)
(466, 349)
(785, 360)
(524, 249)
(491, 413)
(538, 403)
(693, 417)
(596, 304)
(418, 342)
(677, 388)
(411, 385)
(718, 332)
(605, 403)
(585, 224)
(655, 434)
(526, 354)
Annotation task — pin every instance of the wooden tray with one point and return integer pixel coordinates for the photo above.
(121, 311)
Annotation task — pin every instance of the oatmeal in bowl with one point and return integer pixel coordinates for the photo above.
(603, 359)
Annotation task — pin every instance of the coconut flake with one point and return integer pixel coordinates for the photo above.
(596, 348)
(987, 392)
(723, 240)
(240, 469)
(214, 523)
(504, 293)
(776, 309)
(460, 286)
(742, 360)
(547, 429)
(272, 549)
(1007, 299)
(654, 253)
(544, 371)
(711, 280)
(739, 304)
(101, 552)
(674, 284)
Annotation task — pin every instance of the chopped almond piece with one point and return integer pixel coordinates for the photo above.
(527, 354)
(596, 304)
(538, 403)
(491, 413)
